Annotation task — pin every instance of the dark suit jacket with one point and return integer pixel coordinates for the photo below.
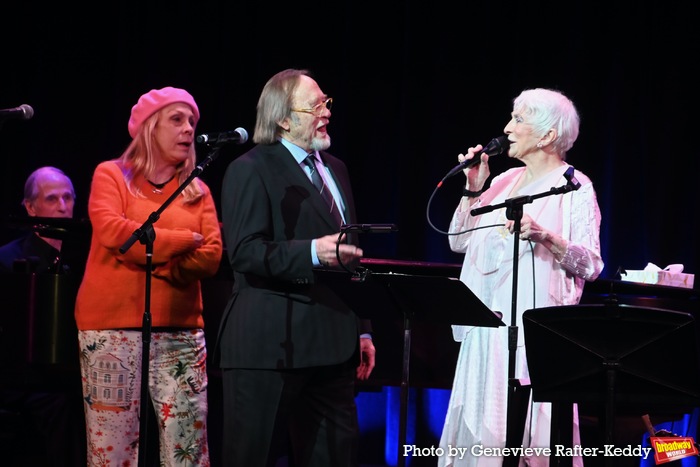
(279, 316)
(41, 256)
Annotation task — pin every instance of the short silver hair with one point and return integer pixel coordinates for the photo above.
(546, 109)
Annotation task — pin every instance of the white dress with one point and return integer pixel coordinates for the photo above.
(477, 410)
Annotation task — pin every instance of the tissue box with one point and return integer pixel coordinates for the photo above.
(668, 278)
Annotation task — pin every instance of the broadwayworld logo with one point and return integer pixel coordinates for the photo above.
(669, 449)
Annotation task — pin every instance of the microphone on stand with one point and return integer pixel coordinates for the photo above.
(23, 112)
(238, 136)
(369, 228)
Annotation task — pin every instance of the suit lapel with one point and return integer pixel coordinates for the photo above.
(300, 182)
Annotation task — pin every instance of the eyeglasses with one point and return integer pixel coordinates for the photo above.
(317, 109)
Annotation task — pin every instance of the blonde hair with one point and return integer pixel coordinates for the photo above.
(139, 159)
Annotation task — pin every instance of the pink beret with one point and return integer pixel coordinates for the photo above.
(156, 99)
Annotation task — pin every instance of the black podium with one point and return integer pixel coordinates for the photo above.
(435, 299)
(616, 355)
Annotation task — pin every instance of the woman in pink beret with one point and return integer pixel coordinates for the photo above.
(111, 301)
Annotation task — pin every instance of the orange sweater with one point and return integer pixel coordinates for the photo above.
(112, 293)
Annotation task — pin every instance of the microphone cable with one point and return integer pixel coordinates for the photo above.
(529, 241)
(430, 223)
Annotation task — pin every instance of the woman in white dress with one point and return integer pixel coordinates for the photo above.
(559, 250)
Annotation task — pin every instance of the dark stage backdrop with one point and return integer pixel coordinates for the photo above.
(414, 84)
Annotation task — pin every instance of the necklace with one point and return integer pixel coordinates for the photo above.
(158, 187)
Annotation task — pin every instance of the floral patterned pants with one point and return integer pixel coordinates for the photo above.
(110, 364)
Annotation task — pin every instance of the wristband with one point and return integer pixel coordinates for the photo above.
(471, 194)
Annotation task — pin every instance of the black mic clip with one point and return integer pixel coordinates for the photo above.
(571, 179)
(360, 274)
(572, 184)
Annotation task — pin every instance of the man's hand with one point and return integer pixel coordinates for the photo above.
(367, 353)
(326, 251)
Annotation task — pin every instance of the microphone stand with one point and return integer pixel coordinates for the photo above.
(146, 236)
(514, 212)
(361, 275)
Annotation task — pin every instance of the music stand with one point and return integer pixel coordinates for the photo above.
(437, 299)
(614, 354)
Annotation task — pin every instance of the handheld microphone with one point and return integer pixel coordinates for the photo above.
(24, 112)
(495, 147)
(238, 136)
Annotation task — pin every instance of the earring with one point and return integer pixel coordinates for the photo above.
(539, 145)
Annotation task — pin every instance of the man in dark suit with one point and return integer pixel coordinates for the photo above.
(290, 349)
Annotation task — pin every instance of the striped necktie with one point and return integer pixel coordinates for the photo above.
(317, 180)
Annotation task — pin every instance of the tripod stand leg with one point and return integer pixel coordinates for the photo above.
(403, 415)
(562, 433)
(610, 408)
(518, 400)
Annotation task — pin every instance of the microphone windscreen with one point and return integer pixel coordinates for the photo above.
(27, 111)
(244, 134)
(496, 146)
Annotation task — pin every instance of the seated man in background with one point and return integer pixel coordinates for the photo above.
(48, 192)
(41, 415)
